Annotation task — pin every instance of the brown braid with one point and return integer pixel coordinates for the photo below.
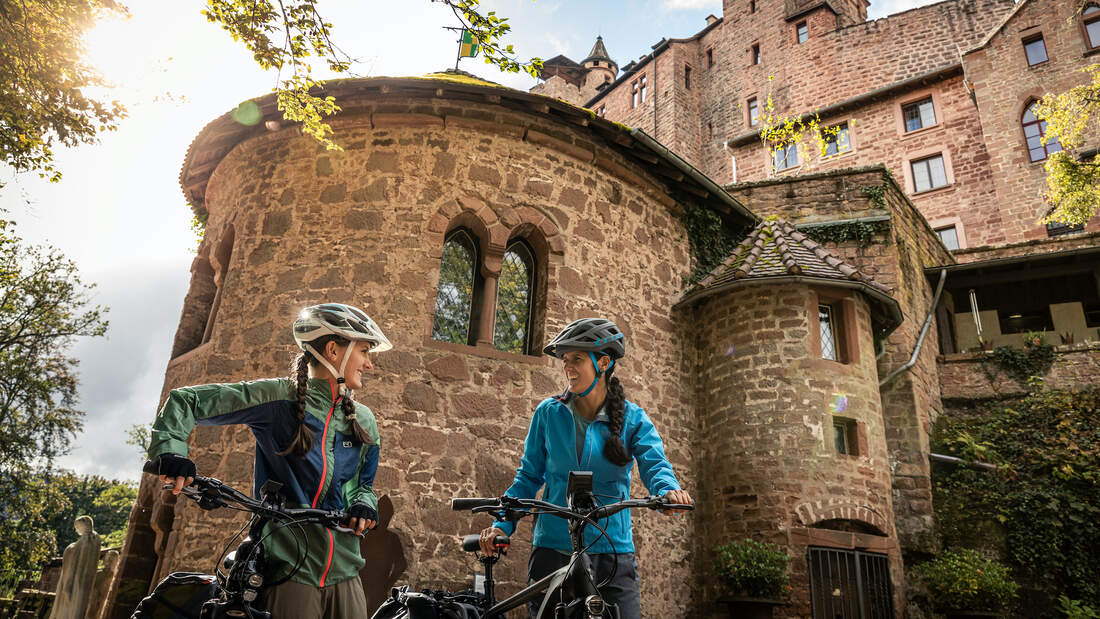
(615, 405)
(299, 374)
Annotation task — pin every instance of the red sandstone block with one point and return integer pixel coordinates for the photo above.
(382, 121)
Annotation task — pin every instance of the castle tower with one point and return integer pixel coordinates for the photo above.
(793, 445)
(601, 69)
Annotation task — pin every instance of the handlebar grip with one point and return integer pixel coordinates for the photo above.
(463, 504)
(472, 542)
(679, 507)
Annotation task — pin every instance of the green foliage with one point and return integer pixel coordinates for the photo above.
(1076, 609)
(139, 435)
(1043, 501)
(752, 569)
(286, 35)
(44, 82)
(963, 579)
(863, 232)
(107, 501)
(711, 240)
(1024, 365)
(27, 500)
(1073, 184)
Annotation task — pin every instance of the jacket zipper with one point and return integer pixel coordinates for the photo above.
(324, 473)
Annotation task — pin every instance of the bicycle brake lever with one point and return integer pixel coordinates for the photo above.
(348, 531)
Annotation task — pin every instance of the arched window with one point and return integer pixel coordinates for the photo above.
(1090, 20)
(455, 295)
(1034, 130)
(515, 290)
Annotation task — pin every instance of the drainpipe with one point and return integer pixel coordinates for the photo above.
(985, 466)
(977, 317)
(923, 332)
(733, 160)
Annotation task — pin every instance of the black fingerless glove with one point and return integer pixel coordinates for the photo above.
(364, 511)
(171, 465)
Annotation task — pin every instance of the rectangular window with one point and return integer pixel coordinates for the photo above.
(641, 89)
(634, 94)
(752, 6)
(1036, 51)
(1091, 15)
(754, 112)
(687, 77)
(1058, 228)
(846, 436)
(710, 131)
(928, 173)
(836, 139)
(919, 114)
(710, 58)
(785, 157)
(756, 53)
(803, 32)
(949, 236)
(828, 333)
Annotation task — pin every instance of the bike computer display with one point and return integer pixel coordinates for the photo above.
(579, 490)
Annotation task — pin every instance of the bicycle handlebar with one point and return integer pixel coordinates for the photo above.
(518, 508)
(212, 493)
(463, 504)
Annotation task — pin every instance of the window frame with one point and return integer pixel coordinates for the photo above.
(847, 429)
(1032, 38)
(1085, 22)
(687, 77)
(634, 94)
(709, 57)
(950, 222)
(751, 104)
(914, 97)
(919, 104)
(925, 153)
(641, 88)
(955, 231)
(851, 144)
(801, 32)
(756, 58)
(1041, 124)
(476, 284)
(787, 151)
(845, 330)
(927, 159)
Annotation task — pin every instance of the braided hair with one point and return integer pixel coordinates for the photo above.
(615, 406)
(299, 375)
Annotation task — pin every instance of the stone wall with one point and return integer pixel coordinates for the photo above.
(767, 464)
(897, 260)
(965, 377)
(366, 226)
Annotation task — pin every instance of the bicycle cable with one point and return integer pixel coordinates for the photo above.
(299, 556)
(225, 551)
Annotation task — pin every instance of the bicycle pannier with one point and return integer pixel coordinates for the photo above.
(179, 596)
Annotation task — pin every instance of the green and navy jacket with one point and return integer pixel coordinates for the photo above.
(550, 453)
(334, 474)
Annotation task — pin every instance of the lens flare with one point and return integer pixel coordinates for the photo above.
(729, 351)
(247, 113)
(839, 403)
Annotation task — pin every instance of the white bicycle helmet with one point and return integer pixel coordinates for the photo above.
(345, 321)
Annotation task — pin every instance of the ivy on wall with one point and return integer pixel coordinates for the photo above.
(863, 232)
(1040, 509)
(1022, 365)
(711, 240)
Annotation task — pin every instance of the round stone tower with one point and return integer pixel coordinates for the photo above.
(551, 214)
(794, 448)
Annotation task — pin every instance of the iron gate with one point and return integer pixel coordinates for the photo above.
(847, 584)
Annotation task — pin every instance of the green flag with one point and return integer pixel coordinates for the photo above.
(469, 46)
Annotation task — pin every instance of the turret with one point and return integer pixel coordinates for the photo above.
(599, 66)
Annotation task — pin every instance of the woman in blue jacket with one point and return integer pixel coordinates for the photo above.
(590, 427)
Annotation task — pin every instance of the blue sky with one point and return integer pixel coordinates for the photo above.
(119, 212)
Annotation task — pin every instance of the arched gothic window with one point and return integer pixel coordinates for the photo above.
(1034, 130)
(515, 291)
(454, 299)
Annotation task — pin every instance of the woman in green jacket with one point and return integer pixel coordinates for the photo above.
(312, 438)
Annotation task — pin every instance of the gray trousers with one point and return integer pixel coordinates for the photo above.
(622, 590)
(293, 600)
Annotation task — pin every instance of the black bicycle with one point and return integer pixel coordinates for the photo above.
(233, 592)
(570, 592)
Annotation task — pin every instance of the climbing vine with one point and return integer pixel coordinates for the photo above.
(711, 240)
(863, 232)
(1022, 365)
(1040, 508)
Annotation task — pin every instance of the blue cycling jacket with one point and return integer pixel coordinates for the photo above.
(550, 452)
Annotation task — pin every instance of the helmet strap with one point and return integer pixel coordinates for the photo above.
(599, 373)
(338, 376)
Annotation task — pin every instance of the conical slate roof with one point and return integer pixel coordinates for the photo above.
(599, 52)
(776, 251)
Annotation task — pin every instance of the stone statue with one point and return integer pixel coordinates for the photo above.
(78, 566)
(102, 583)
